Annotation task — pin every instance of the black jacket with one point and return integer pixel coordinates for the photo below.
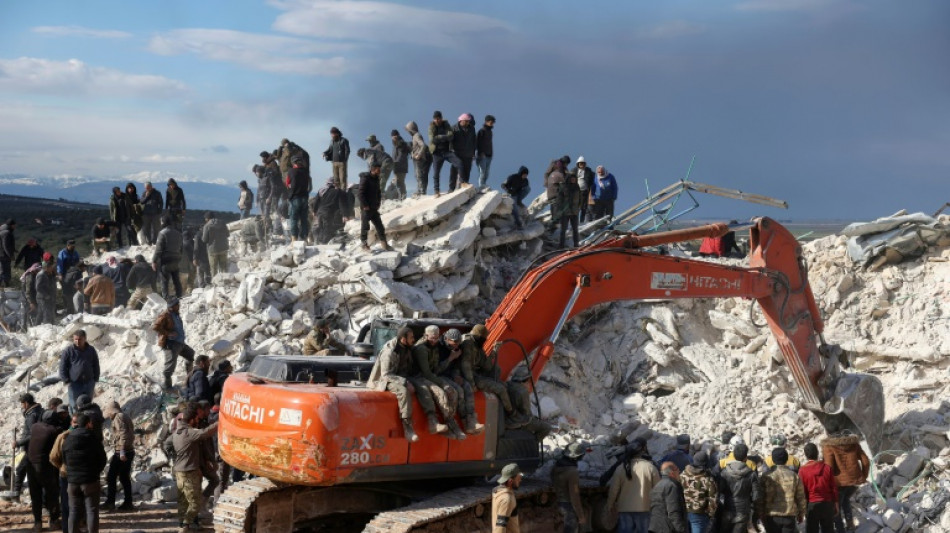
(30, 255)
(668, 507)
(118, 275)
(42, 437)
(300, 183)
(31, 416)
(339, 151)
(141, 275)
(330, 203)
(401, 151)
(514, 185)
(94, 412)
(739, 487)
(463, 140)
(79, 365)
(175, 199)
(118, 209)
(198, 386)
(484, 142)
(7, 243)
(217, 382)
(152, 202)
(168, 247)
(370, 194)
(73, 274)
(84, 456)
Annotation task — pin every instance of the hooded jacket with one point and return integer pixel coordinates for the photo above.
(132, 205)
(400, 156)
(31, 416)
(298, 182)
(847, 460)
(514, 185)
(585, 177)
(604, 189)
(7, 243)
(370, 194)
(118, 210)
(215, 235)
(84, 456)
(739, 485)
(420, 150)
(339, 151)
(175, 198)
(100, 291)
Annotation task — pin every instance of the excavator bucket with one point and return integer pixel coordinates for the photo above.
(856, 406)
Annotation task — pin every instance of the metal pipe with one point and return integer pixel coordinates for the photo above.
(567, 309)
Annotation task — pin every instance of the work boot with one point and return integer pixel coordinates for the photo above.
(109, 507)
(407, 429)
(435, 427)
(472, 427)
(126, 506)
(455, 432)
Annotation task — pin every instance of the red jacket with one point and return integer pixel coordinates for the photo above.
(819, 481)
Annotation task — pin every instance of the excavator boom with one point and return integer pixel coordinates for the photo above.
(534, 312)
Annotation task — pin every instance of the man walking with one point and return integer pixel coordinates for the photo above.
(518, 187)
(821, 491)
(79, 368)
(167, 257)
(783, 500)
(484, 150)
(421, 159)
(215, 237)
(338, 154)
(630, 489)
(187, 441)
(667, 504)
(171, 339)
(504, 503)
(122, 442)
(7, 252)
(85, 458)
(300, 184)
(371, 197)
(151, 212)
(850, 466)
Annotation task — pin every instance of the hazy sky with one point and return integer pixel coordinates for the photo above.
(840, 107)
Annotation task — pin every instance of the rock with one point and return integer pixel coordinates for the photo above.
(633, 403)
(893, 519)
(272, 315)
(283, 257)
(386, 260)
(249, 294)
(148, 479)
(911, 465)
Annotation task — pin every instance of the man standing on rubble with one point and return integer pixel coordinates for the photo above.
(215, 236)
(485, 150)
(79, 368)
(391, 373)
(604, 194)
(187, 442)
(100, 292)
(151, 211)
(518, 187)
(175, 202)
(427, 364)
(320, 341)
(441, 147)
(421, 159)
(371, 197)
(523, 417)
(338, 154)
(504, 503)
(480, 371)
(167, 257)
(401, 151)
(122, 442)
(45, 284)
(299, 184)
(171, 339)
(464, 144)
(141, 281)
(850, 466)
(630, 489)
(566, 483)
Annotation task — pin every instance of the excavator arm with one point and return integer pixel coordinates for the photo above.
(531, 316)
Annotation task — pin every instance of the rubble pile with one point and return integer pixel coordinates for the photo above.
(651, 369)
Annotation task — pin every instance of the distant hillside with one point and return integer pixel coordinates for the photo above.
(200, 195)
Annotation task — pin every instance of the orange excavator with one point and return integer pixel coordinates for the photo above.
(330, 453)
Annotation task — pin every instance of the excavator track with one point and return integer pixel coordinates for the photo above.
(261, 505)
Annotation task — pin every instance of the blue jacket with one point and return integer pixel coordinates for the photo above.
(66, 259)
(198, 386)
(79, 365)
(605, 191)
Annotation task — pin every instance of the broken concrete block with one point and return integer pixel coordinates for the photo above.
(272, 315)
(387, 260)
(423, 211)
(238, 334)
(409, 297)
(249, 294)
(911, 465)
(282, 256)
(532, 230)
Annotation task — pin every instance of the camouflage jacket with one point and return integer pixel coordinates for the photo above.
(700, 491)
(475, 362)
(782, 494)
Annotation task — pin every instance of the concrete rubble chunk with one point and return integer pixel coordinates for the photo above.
(424, 211)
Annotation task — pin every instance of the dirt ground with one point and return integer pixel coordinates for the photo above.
(148, 518)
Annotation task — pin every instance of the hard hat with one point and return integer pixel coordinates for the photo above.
(581, 159)
(510, 471)
(576, 450)
(736, 440)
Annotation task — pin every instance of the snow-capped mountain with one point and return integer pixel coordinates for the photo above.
(215, 194)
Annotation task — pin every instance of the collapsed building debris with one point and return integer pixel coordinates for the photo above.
(649, 369)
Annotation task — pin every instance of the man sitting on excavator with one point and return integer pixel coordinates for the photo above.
(391, 372)
(481, 371)
(426, 357)
(450, 353)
